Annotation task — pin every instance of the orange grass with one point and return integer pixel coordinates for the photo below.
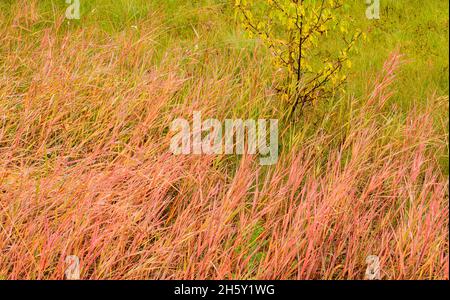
(85, 170)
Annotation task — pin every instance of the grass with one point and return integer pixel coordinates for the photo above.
(85, 107)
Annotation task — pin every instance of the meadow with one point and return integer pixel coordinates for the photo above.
(85, 167)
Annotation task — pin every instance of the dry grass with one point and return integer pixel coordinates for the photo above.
(85, 170)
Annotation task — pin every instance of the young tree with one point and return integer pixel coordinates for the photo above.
(296, 32)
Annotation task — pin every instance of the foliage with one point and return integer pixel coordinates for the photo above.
(296, 32)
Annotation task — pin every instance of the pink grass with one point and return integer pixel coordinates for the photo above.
(85, 170)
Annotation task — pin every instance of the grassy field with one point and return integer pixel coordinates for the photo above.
(85, 111)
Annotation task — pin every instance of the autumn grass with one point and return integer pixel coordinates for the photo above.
(85, 168)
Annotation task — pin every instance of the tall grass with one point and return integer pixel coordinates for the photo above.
(85, 167)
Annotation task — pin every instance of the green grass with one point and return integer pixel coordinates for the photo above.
(418, 28)
(207, 31)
